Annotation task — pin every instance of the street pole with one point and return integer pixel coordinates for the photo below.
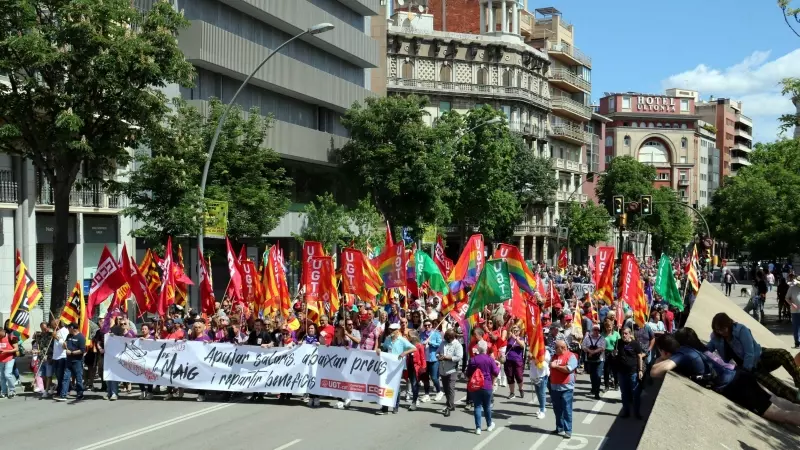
(316, 29)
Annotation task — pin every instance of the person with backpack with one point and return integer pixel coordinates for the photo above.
(481, 371)
(735, 384)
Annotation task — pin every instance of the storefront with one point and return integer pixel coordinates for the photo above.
(45, 237)
(98, 232)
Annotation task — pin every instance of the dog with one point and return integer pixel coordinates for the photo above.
(745, 292)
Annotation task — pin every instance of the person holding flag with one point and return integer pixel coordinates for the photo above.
(8, 350)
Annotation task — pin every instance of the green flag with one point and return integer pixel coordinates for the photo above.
(427, 270)
(493, 286)
(666, 285)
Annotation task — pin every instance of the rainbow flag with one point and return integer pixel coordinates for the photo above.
(517, 268)
(391, 265)
(469, 264)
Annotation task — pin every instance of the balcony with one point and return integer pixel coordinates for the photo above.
(739, 160)
(569, 132)
(568, 81)
(568, 54)
(741, 118)
(526, 24)
(535, 230)
(431, 87)
(9, 190)
(683, 182)
(93, 196)
(569, 108)
(567, 165)
(525, 129)
(565, 196)
(744, 134)
(741, 147)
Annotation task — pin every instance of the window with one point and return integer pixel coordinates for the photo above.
(662, 176)
(483, 76)
(683, 193)
(444, 107)
(627, 141)
(478, 106)
(702, 194)
(683, 160)
(626, 103)
(674, 125)
(652, 152)
(650, 125)
(683, 175)
(683, 126)
(609, 141)
(608, 159)
(612, 104)
(659, 125)
(666, 125)
(684, 142)
(634, 124)
(408, 70)
(507, 78)
(684, 105)
(519, 79)
(446, 74)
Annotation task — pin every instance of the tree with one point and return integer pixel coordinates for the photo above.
(791, 87)
(587, 224)
(534, 176)
(758, 204)
(627, 177)
(367, 226)
(164, 190)
(788, 12)
(398, 160)
(326, 222)
(85, 80)
(670, 225)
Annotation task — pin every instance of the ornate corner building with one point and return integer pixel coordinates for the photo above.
(463, 54)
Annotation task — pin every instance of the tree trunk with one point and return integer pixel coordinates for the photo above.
(61, 245)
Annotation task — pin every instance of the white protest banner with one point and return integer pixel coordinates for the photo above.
(325, 371)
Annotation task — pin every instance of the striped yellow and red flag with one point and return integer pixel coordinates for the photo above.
(533, 329)
(75, 310)
(452, 299)
(149, 268)
(181, 289)
(26, 295)
(691, 270)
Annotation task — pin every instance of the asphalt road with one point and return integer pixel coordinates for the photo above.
(27, 422)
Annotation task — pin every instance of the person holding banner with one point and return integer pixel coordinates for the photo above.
(198, 334)
(146, 389)
(398, 345)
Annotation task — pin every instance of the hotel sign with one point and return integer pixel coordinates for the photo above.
(656, 104)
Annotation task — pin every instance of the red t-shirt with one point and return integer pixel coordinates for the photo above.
(328, 330)
(669, 318)
(6, 344)
(177, 334)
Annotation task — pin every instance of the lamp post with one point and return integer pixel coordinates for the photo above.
(316, 29)
(491, 121)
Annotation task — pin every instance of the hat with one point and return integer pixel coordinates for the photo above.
(558, 306)
(394, 326)
(596, 326)
(567, 317)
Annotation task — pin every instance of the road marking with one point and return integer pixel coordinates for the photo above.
(287, 445)
(539, 442)
(462, 399)
(158, 426)
(602, 444)
(589, 436)
(598, 406)
(489, 438)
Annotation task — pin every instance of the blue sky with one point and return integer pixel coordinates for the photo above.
(726, 48)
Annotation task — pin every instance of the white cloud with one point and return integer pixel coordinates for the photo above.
(754, 81)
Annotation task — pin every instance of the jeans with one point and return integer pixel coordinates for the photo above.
(631, 392)
(146, 388)
(112, 388)
(72, 368)
(413, 384)
(59, 366)
(541, 392)
(449, 388)
(728, 289)
(756, 305)
(796, 328)
(562, 408)
(7, 377)
(483, 406)
(595, 369)
(433, 376)
(608, 371)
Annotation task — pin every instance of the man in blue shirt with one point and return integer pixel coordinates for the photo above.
(431, 339)
(75, 348)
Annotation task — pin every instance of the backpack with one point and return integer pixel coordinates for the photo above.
(475, 381)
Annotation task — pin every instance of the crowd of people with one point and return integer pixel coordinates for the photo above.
(493, 355)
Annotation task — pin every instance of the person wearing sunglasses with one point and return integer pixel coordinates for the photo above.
(432, 340)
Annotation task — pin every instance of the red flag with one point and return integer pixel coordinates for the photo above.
(533, 329)
(540, 286)
(320, 278)
(138, 286)
(353, 272)
(243, 253)
(563, 259)
(311, 249)
(620, 314)
(516, 304)
(605, 275)
(591, 269)
(207, 300)
(275, 286)
(107, 279)
(250, 288)
(631, 290)
(389, 240)
(167, 296)
(444, 263)
(235, 271)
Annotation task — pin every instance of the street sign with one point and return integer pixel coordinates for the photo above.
(216, 219)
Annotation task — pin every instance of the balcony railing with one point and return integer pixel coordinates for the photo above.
(741, 147)
(535, 230)
(566, 164)
(568, 104)
(740, 161)
(573, 132)
(683, 182)
(569, 77)
(9, 189)
(744, 119)
(563, 196)
(573, 52)
(469, 88)
(91, 196)
(525, 129)
(742, 133)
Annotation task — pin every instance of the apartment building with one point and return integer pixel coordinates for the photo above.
(734, 132)
(707, 181)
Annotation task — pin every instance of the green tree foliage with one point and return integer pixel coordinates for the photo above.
(759, 205)
(367, 227)
(165, 187)
(790, 13)
(534, 176)
(588, 224)
(398, 160)
(326, 222)
(791, 87)
(627, 177)
(84, 85)
(670, 225)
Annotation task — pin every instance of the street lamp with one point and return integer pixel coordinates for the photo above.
(316, 29)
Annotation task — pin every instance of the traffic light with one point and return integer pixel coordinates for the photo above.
(618, 204)
(646, 205)
(623, 220)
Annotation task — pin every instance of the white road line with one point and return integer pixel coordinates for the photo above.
(539, 442)
(590, 436)
(598, 406)
(287, 445)
(489, 438)
(158, 426)
(462, 399)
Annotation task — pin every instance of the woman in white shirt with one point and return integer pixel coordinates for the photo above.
(539, 382)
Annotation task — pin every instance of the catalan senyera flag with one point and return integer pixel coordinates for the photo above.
(516, 267)
(75, 310)
(631, 290)
(469, 265)
(691, 270)
(533, 329)
(26, 295)
(372, 279)
(452, 299)
(149, 269)
(181, 289)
